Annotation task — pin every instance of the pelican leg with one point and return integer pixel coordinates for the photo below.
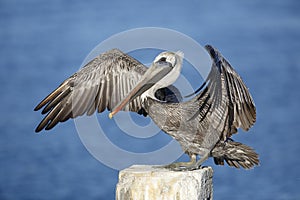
(199, 162)
(188, 166)
(183, 166)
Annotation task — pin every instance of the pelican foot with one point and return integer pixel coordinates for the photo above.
(182, 166)
(188, 166)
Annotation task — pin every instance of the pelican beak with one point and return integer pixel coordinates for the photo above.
(155, 73)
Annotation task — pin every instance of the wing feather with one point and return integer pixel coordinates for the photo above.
(225, 102)
(99, 85)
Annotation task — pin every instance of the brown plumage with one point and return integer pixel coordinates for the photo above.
(203, 125)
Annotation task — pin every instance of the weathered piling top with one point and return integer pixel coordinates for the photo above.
(147, 182)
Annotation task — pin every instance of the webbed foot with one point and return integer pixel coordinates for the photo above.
(183, 166)
(193, 164)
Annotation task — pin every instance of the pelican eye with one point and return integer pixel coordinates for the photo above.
(162, 59)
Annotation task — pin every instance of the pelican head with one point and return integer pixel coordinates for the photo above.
(170, 57)
(164, 71)
(169, 62)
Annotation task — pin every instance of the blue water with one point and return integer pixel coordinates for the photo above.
(44, 42)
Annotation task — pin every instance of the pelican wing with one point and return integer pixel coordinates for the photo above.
(100, 84)
(224, 100)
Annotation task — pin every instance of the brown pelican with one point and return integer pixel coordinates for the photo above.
(202, 125)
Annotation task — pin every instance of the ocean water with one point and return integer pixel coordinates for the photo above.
(44, 42)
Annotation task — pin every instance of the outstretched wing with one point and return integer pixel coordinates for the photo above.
(100, 84)
(224, 100)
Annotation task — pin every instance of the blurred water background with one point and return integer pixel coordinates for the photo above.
(44, 42)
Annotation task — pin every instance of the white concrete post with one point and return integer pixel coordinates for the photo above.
(143, 182)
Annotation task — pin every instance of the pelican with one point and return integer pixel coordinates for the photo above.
(203, 125)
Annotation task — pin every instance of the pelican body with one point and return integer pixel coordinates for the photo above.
(203, 125)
